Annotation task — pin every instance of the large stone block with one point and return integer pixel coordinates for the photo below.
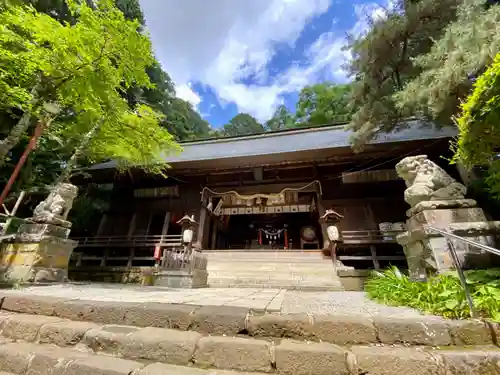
(298, 326)
(26, 327)
(92, 311)
(374, 360)
(301, 358)
(109, 338)
(234, 353)
(50, 359)
(64, 333)
(15, 358)
(97, 365)
(154, 344)
(417, 331)
(345, 329)
(182, 279)
(470, 332)
(481, 362)
(219, 320)
(31, 304)
(162, 315)
(43, 261)
(164, 345)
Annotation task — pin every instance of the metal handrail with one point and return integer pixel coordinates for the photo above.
(461, 275)
(466, 240)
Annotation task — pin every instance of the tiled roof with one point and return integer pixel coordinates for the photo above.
(325, 137)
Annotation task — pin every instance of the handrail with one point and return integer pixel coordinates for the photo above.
(466, 240)
(449, 236)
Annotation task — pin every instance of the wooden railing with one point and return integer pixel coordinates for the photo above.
(130, 241)
(354, 237)
(183, 260)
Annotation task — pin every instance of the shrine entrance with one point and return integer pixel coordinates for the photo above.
(285, 220)
(272, 231)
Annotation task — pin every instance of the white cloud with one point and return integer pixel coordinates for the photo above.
(219, 43)
(188, 94)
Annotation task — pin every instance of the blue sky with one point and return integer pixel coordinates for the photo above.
(230, 56)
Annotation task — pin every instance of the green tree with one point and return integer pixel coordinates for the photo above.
(323, 104)
(242, 124)
(83, 67)
(383, 62)
(282, 119)
(478, 142)
(467, 47)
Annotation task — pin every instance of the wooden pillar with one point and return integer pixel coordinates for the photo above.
(102, 225)
(166, 223)
(215, 229)
(203, 216)
(324, 233)
(131, 226)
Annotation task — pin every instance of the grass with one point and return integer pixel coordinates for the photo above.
(441, 294)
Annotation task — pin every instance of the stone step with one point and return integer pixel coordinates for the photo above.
(48, 345)
(340, 329)
(302, 288)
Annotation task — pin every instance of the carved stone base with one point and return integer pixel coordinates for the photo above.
(430, 251)
(43, 261)
(441, 204)
(182, 279)
(34, 232)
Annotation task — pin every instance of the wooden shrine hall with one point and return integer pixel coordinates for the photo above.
(262, 194)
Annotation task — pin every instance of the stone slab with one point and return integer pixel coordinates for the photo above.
(417, 331)
(470, 332)
(154, 344)
(376, 360)
(26, 327)
(163, 369)
(300, 358)
(163, 345)
(66, 333)
(162, 315)
(441, 204)
(219, 319)
(97, 365)
(234, 353)
(483, 362)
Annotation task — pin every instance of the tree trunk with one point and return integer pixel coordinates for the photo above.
(9, 142)
(66, 173)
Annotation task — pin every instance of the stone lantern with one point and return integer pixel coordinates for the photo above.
(188, 225)
(332, 218)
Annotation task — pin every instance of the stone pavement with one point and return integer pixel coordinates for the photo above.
(263, 300)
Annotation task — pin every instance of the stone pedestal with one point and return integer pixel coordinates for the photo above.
(41, 249)
(182, 279)
(43, 261)
(427, 250)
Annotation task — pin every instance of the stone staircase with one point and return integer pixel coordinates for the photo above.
(49, 336)
(271, 269)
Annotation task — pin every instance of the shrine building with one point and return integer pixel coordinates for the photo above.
(257, 198)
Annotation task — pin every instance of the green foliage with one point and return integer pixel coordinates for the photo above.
(441, 295)
(323, 104)
(85, 67)
(282, 119)
(242, 124)
(468, 45)
(479, 126)
(383, 62)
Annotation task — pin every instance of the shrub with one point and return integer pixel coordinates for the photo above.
(440, 295)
